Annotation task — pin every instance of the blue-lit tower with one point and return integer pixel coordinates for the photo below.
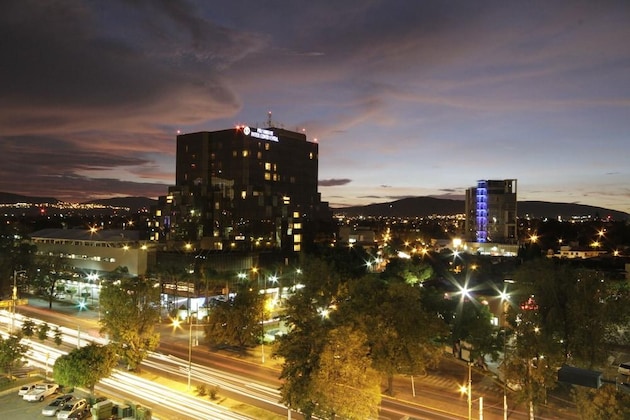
(491, 211)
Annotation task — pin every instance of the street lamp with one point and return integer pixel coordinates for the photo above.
(14, 297)
(176, 324)
(189, 350)
(468, 391)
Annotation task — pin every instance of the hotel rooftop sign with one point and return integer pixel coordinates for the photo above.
(260, 133)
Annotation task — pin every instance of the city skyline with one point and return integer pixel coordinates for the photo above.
(405, 99)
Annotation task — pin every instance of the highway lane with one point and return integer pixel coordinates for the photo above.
(431, 402)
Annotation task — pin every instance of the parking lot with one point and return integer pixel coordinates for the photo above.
(14, 407)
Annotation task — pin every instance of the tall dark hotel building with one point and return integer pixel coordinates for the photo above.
(243, 189)
(491, 212)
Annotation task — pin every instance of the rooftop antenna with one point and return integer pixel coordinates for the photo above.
(269, 124)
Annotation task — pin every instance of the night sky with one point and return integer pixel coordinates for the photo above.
(405, 98)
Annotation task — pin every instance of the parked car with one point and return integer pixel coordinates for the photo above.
(24, 389)
(55, 405)
(40, 392)
(80, 415)
(72, 408)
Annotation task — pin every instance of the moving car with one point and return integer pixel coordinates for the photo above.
(73, 408)
(55, 405)
(40, 392)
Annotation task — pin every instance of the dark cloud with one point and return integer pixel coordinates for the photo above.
(403, 96)
(333, 182)
(54, 165)
(64, 68)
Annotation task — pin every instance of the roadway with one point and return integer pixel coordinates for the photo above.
(247, 380)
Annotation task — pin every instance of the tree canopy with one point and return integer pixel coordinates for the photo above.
(12, 351)
(237, 321)
(130, 310)
(85, 366)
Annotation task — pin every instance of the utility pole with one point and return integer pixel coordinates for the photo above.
(14, 297)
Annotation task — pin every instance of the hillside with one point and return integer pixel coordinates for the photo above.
(426, 206)
(406, 207)
(9, 198)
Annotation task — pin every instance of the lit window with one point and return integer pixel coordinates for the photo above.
(296, 247)
(297, 225)
(245, 153)
(267, 146)
(310, 155)
(267, 176)
(243, 194)
(259, 155)
(267, 166)
(297, 238)
(296, 214)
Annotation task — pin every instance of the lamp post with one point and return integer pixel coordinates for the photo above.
(469, 391)
(505, 299)
(14, 297)
(189, 350)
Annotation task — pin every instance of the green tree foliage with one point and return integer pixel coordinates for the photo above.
(472, 323)
(413, 271)
(345, 383)
(42, 331)
(305, 316)
(401, 336)
(532, 359)
(561, 314)
(15, 254)
(46, 278)
(578, 308)
(28, 328)
(404, 338)
(236, 322)
(11, 353)
(605, 403)
(85, 366)
(130, 310)
(57, 336)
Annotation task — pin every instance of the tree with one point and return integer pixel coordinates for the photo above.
(15, 254)
(130, 309)
(603, 403)
(237, 321)
(412, 271)
(345, 384)
(306, 319)
(42, 331)
(51, 269)
(28, 328)
(404, 338)
(11, 353)
(85, 366)
(58, 336)
(472, 323)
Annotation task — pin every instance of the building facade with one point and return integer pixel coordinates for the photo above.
(242, 189)
(491, 212)
(97, 251)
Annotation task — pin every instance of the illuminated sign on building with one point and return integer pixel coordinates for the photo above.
(260, 133)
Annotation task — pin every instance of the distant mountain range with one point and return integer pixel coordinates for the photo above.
(406, 207)
(427, 206)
